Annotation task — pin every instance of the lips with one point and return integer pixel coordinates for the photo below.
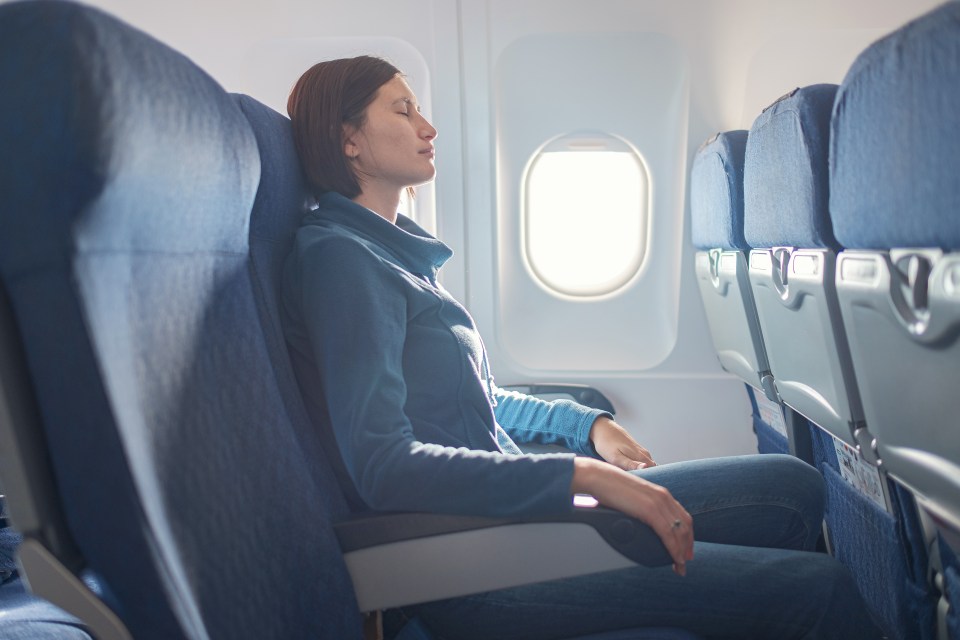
(429, 152)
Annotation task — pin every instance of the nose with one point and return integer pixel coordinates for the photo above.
(427, 130)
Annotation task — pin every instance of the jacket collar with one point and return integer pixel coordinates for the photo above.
(417, 250)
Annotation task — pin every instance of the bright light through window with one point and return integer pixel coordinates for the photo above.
(408, 205)
(585, 215)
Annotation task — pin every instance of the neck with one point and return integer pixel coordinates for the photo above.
(384, 203)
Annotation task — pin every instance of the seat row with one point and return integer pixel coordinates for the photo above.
(828, 240)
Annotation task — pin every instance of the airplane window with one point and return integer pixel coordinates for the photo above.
(585, 209)
(408, 206)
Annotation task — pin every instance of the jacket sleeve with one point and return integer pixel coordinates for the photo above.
(529, 419)
(354, 310)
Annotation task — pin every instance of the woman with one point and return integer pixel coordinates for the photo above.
(398, 378)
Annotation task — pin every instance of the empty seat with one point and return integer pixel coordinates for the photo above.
(895, 204)
(873, 525)
(127, 176)
(716, 227)
(791, 265)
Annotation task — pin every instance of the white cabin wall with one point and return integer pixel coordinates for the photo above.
(740, 56)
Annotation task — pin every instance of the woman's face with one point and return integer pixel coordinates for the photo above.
(394, 147)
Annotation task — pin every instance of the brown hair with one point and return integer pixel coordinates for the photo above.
(328, 96)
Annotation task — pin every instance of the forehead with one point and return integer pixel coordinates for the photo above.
(395, 89)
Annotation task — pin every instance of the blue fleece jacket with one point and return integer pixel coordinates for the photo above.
(395, 374)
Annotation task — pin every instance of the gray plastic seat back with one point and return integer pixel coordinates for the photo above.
(895, 202)
(716, 210)
(792, 267)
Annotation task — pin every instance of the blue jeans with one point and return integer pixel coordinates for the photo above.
(754, 575)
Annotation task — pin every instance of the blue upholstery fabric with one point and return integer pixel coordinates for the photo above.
(658, 633)
(716, 193)
(885, 554)
(26, 617)
(283, 198)
(951, 587)
(127, 178)
(9, 541)
(785, 181)
(894, 139)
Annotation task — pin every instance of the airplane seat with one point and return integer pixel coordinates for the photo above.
(894, 201)
(716, 227)
(127, 176)
(144, 409)
(790, 266)
(870, 525)
(282, 200)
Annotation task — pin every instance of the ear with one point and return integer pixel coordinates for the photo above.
(350, 148)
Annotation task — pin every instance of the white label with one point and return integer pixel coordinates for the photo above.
(864, 477)
(772, 413)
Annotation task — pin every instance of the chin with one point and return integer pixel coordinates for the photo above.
(425, 179)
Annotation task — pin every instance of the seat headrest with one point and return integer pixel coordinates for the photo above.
(283, 197)
(785, 181)
(716, 193)
(893, 150)
(126, 136)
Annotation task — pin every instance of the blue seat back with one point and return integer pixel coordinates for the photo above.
(283, 199)
(127, 178)
(716, 224)
(897, 203)
(786, 219)
(786, 184)
(716, 193)
(893, 169)
(786, 210)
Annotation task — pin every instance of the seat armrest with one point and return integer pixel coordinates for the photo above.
(398, 559)
(581, 393)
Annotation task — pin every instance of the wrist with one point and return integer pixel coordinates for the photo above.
(588, 474)
(599, 424)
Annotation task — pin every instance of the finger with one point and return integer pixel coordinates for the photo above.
(684, 533)
(642, 455)
(682, 529)
(678, 539)
(630, 459)
(648, 458)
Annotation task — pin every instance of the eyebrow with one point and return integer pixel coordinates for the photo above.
(409, 101)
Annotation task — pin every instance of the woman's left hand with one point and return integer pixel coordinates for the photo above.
(617, 447)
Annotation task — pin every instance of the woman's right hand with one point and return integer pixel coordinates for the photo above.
(645, 501)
